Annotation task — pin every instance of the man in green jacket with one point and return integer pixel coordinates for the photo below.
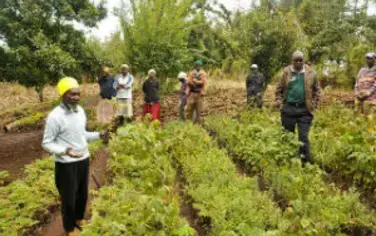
(297, 96)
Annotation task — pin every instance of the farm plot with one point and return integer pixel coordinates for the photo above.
(257, 140)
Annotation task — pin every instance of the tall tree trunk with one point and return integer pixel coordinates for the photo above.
(356, 7)
(39, 90)
(366, 6)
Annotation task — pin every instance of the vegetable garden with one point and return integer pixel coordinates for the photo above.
(237, 175)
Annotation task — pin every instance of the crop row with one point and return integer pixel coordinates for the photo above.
(234, 204)
(344, 142)
(23, 203)
(141, 200)
(311, 204)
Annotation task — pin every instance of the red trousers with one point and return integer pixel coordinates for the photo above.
(154, 110)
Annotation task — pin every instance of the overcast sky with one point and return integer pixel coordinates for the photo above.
(111, 23)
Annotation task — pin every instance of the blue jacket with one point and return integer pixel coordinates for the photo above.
(106, 85)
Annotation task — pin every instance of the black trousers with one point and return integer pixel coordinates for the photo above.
(254, 99)
(72, 181)
(304, 122)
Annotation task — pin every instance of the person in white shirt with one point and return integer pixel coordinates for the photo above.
(123, 85)
(66, 137)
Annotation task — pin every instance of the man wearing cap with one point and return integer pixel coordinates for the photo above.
(297, 96)
(106, 84)
(365, 87)
(255, 85)
(123, 85)
(151, 89)
(105, 107)
(195, 91)
(65, 136)
(182, 76)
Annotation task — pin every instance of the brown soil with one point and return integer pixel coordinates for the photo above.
(221, 102)
(18, 150)
(345, 97)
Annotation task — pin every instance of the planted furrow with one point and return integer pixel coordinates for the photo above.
(141, 199)
(312, 206)
(344, 144)
(227, 203)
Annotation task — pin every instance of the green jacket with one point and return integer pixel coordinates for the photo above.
(311, 86)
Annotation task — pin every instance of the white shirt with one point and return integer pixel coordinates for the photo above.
(127, 82)
(66, 128)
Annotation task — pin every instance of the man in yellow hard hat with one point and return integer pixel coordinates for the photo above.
(66, 137)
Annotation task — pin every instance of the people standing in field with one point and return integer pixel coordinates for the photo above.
(255, 84)
(182, 76)
(65, 136)
(365, 87)
(195, 91)
(297, 96)
(151, 98)
(105, 107)
(123, 85)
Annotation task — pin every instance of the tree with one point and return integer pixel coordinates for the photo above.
(43, 44)
(155, 35)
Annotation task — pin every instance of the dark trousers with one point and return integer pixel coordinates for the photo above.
(182, 104)
(304, 123)
(72, 181)
(254, 99)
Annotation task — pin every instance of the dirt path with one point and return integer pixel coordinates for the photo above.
(18, 150)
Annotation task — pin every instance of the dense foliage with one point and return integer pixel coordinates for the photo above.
(41, 42)
(312, 205)
(141, 200)
(234, 204)
(344, 142)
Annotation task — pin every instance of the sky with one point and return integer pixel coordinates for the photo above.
(111, 24)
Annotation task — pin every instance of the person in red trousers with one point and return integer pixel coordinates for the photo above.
(150, 89)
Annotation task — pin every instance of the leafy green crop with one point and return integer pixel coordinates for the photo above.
(3, 176)
(313, 206)
(23, 202)
(345, 143)
(141, 199)
(234, 204)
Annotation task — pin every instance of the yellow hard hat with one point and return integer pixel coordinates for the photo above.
(66, 84)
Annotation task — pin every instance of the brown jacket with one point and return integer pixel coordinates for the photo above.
(311, 86)
(202, 82)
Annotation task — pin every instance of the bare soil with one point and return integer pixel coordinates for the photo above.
(18, 150)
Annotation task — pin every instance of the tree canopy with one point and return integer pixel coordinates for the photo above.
(42, 43)
(168, 35)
